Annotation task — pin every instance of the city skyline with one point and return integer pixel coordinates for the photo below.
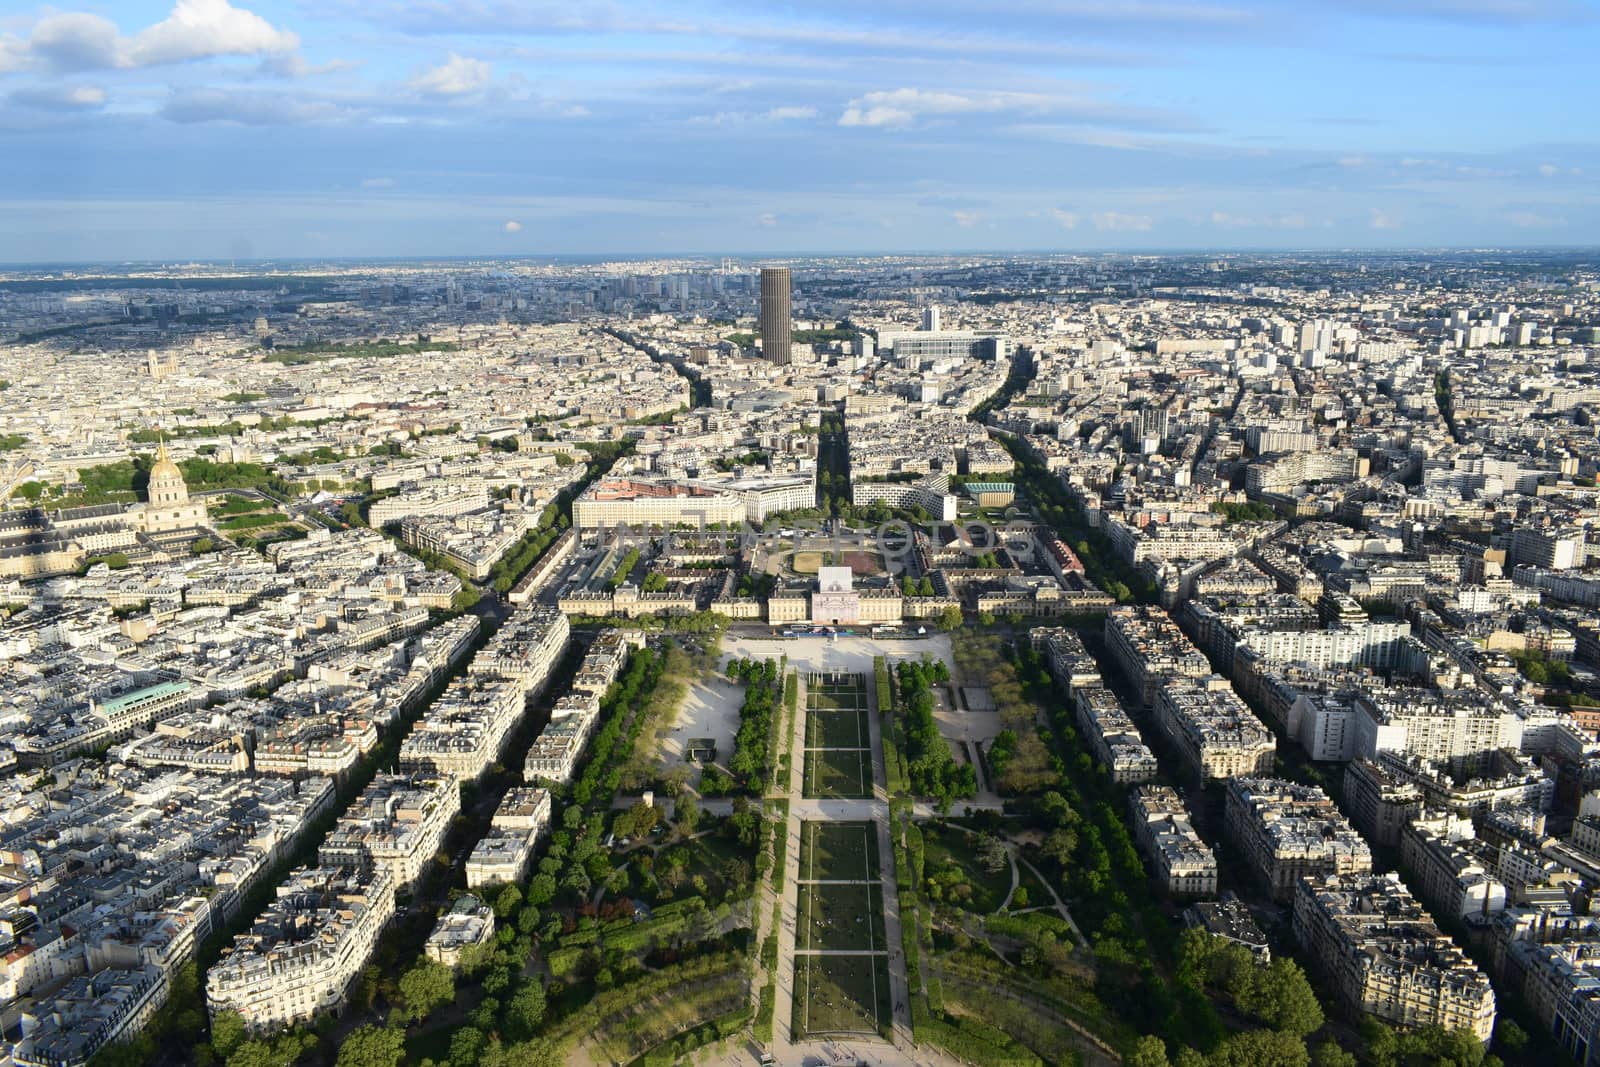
(212, 130)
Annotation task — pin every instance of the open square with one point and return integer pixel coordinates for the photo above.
(835, 918)
(843, 773)
(838, 852)
(840, 995)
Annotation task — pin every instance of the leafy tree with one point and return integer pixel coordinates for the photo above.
(372, 1046)
(1261, 1048)
(227, 1032)
(1283, 998)
(507, 902)
(465, 1047)
(992, 854)
(1329, 1054)
(950, 618)
(525, 1011)
(427, 986)
(687, 814)
(1509, 1036)
(1059, 845)
(1150, 1051)
(541, 890)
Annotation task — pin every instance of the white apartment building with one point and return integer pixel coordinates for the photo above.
(1447, 873)
(1385, 956)
(1289, 831)
(398, 822)
(639, 502)
(299, 958)
(1216, 735)
(1461, 727)
(1162, 828)
(526, 648)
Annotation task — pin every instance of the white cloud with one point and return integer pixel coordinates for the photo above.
(1068, 219)
(60, 98)
(377, 183)
(769, 220)
(294, 65)
(200, 28)
(899, 108)
(786, 114)
(965, 219)
(1379, 220)
(777, 114)
(458, 76)
(1117, 220)
(195, 29)
(1292, 221)
(512, 226)
(248, 108)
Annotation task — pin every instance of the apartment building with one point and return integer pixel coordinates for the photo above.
(1183, 862)
(465, 729)
(1116, 741)
(467, 924)
(1561, 984)
(90, 1012)
(525, 649)
(299, 958)
(1150, 649)
(501, 856)
(398, 822)
(1287, 831)
(1380, 803)
(645, 503)
(1215, 734)
(1461, 727)
(1385, 957)
(1451, 872)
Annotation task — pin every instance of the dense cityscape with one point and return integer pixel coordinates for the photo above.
(1080, 658)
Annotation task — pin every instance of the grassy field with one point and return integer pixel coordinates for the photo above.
(807, 562)
(838, 851)
(840, 918)
(838, 773)
(841, 995)
(837, 728)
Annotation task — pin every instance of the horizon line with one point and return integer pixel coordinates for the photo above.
(637, 256)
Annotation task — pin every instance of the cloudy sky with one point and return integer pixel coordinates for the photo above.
(136, 129)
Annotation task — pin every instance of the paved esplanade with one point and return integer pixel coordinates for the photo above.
(853, 656)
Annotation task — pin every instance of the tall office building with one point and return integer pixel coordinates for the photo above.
(775, 317)
(930, 318)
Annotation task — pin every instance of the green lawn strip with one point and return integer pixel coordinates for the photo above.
(838, 851)
(841, 995)
(840, 917)
(842, 728)
(839, 773)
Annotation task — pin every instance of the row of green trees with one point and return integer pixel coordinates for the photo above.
(930, 768)
(752, 745)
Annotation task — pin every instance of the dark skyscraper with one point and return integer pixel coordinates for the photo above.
(775, 315)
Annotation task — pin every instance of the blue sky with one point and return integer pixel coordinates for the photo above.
(179, 129)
